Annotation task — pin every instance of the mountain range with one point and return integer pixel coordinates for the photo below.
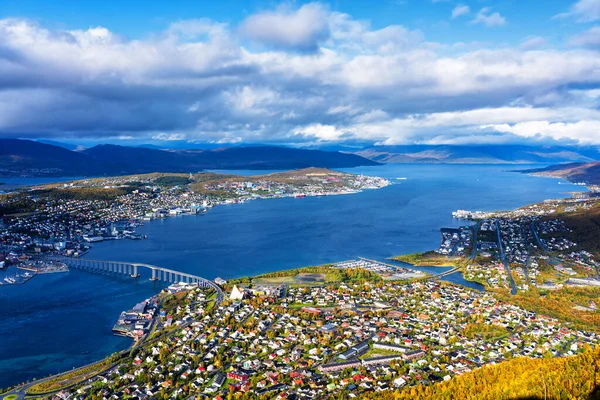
(575, 172)
(31, 158)
(47, 158)
(480, 154)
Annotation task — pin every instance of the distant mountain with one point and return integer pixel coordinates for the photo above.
(32, 158)
(488, 154)
(575, 172)
(68, 146)
(35, 158)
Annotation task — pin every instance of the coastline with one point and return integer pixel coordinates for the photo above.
(344, 193)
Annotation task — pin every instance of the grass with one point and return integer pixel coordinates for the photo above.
(485, 331)
(302, 305)
(379, 353)
(431, 259)
(69, 378)
(10, 397)
(297, 280)
(174, 300)
(310, 276)
(275, 280)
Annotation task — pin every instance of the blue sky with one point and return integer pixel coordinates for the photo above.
(137, 18)
(301, 73)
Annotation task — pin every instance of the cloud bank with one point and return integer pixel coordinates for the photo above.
(295, 75)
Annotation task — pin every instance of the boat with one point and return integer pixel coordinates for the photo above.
(298, 196)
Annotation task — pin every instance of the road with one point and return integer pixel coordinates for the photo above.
(475, 230)
(513, 285)
(526, 269)
(537, 238)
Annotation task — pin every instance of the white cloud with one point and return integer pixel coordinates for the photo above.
(321, 132)
(344, 109)
(583, 11)
(301, 29)
(589, 38)
(169, 136)
(585, 132)
(460, 10)
(489, 19)
(533, 43)
(197, 81)
(196, 28)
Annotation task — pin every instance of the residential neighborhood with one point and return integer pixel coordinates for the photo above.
(329, 340)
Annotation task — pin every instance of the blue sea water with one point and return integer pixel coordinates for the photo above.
(60, 321)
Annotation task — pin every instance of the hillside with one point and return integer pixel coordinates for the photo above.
(298, 178)
(575, 172)
(31, 158)
(488, 154)
(521, 378)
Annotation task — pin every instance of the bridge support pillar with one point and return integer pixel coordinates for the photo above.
(135, 272)
(154, 278)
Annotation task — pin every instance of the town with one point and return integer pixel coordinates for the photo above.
(68, 218)
(531, 247)
(353, 327)
(322, 341)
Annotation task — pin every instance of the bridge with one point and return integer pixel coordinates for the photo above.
(132, 269)
(446, 273)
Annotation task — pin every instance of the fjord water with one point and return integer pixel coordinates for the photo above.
(56, 322)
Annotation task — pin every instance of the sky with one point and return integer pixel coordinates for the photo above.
(300, 73)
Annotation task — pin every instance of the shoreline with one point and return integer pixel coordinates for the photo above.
(440, 266)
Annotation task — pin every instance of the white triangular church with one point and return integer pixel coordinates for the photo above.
(236, 294)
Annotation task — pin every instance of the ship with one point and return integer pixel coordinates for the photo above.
(300, 195)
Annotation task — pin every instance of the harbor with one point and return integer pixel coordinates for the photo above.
(16, 278)
(21, 272)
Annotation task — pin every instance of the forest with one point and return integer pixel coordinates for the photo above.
(575, 378)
